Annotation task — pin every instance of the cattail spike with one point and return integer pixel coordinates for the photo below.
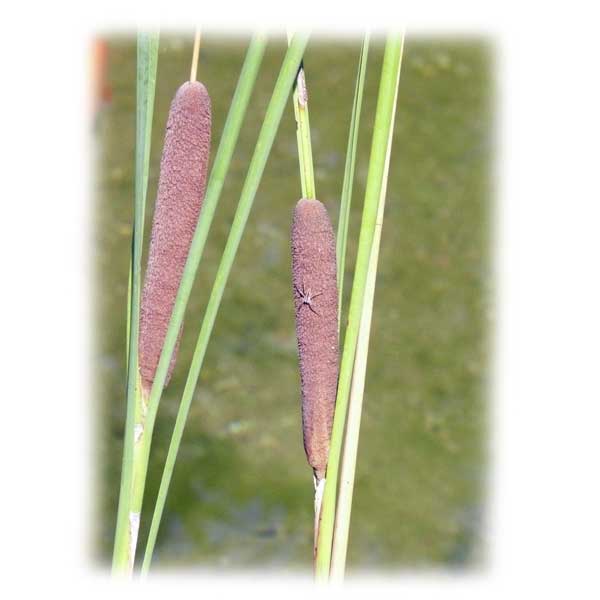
(181, 188)
(316, 303)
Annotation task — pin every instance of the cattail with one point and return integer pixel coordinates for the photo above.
(181, 190)
(316, 304)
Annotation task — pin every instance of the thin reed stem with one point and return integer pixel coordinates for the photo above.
(383, 119)
(346, 199)
(350, 447)
(195, 56)
(126, 530)
(300, 101)
(262, 150)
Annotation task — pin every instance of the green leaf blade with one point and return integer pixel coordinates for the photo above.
(147, 61)
(383, 119)
(346, 199)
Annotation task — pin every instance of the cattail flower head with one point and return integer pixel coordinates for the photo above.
(316, 304)
(181, 188)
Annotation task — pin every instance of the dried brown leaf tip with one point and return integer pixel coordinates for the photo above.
(316, 306)
(181, 188)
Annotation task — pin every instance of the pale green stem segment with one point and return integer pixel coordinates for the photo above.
(350, 447)
(263, 147)
(128, 326)
(300, 100)
(383, 121)
(342, 232)
(147, 60)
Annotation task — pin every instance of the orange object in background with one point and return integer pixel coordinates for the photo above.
(101, 90)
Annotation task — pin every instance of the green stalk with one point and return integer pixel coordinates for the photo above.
(383, 121)
(128, 326)
(263, 147)
(350, 447)
(342, 232)
(147, 59)
(300, 101)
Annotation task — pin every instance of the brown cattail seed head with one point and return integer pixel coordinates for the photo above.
(181, 188)
(316, 303)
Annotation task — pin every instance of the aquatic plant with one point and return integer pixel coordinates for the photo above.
(182, 220)
(137, 448)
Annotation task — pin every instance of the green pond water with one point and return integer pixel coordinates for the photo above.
(241, 495)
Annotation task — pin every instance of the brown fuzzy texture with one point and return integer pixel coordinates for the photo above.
(314, 274)
(181, 188)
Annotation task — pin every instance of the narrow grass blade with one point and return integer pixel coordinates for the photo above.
(383, 120)
(300, 101)
(262, 150)
(147, 59)
(342, 232)
(350, 447)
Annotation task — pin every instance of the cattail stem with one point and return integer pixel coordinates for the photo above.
(195, 56)
(307, 181)
(315, 297)
(147, 59)
(383, 117)
(179, 199)
(350, 449)
(319, 488)
(300, 101)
